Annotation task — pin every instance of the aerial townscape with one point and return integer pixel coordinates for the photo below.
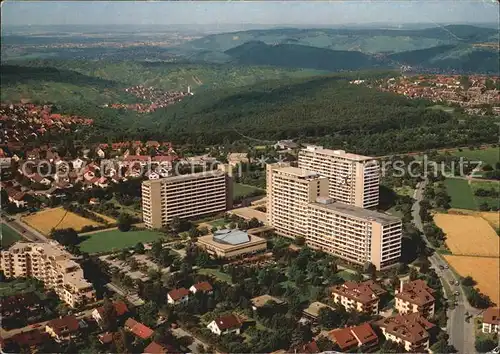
(189, 177)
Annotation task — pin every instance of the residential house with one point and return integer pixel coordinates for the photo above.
(30, 340)
(260, 301)
(100, 153)
(308, 348)
(203, 287)
(77, 163)
(27, 304)
(105, 338)
(360, 297)
(415, 296)
(138, 329)
(311, 313)
(63, 328)
(491, 320)
(178, 296)
(236, 158)
(157, 348)
(285, 145)
(411, 331)
(16, 197)
(36, 178)
(225, 324)
(351, 338)
(120, 309)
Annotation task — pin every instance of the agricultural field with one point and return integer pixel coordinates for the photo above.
(492, 217)
(488, 156)
(484, 270)
(460, 193)
(468, 235)
(112, 240)
(44, 221)
(9, 236)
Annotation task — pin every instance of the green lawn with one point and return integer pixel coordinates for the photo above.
(116, 240)
(218, 223)
(242, 190)
(9, 236)
(17, 286)
(489, 155)
(460, 193)
(216, 273)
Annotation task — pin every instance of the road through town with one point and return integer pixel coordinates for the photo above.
(461, 332)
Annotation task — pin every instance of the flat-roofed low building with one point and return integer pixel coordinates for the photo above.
(360, 297)
(415, 296)
(312, 311)
(228, 243)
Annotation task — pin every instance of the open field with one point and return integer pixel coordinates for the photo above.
(9, 236)
(45, 220)
(492, 217)
(460, 193)
(216, 273)
(116, 240)
(243, 190)
(488, 156)
(488, 185)
(484, 270)
(468, 235)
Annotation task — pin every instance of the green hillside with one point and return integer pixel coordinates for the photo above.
(464, 58)
(364, 40)
(300, 56)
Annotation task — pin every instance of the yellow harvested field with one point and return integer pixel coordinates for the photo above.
(484, 270)
(493, 217)
(45, 220)
(468, 235)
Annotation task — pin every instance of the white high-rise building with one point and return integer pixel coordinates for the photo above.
(354, 179)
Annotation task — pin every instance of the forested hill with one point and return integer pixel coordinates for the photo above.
(301, 56)
(341, 115)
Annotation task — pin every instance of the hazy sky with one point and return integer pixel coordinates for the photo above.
(259, 12)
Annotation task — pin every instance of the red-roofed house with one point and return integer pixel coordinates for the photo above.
(138, 329)
(120, 308)
(178, 296)
(491, 320)
(355, 337)
(157, 348)
(62, 329)
(203, 287)
(361, 297)
(225, 324)
(415, 296)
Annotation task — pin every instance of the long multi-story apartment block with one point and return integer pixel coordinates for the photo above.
(353, 179)
(355, 234)
(297, 205)
(289, 192)
(185, 196)
(53, 265)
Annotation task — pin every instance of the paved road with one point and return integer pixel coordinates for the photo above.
(179, 332)
(461, 333)
(26, 231)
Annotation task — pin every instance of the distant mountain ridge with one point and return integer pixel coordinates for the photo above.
(300, 56)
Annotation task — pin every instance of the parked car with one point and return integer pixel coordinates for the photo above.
(441, 267)
(446, 266)
(36, 325)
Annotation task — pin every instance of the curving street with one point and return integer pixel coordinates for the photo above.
(461, 333)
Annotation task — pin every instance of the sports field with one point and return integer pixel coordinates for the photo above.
(59, 218)
(468, 235)
(460, 193)
(9, 236)
(484, 270)
(115, 240)
(487, 156)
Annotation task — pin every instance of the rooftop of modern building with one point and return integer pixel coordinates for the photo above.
(337, 153)
(187, 177)
(231, 237)
(297, 172)
(354, 211)
(228, 241)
